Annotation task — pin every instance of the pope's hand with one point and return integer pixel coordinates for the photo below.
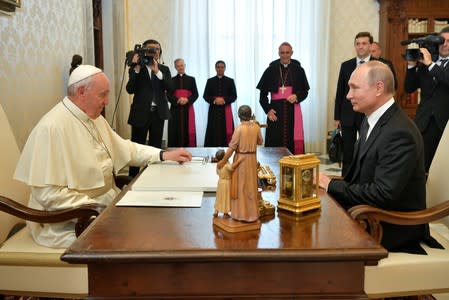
(180, 155)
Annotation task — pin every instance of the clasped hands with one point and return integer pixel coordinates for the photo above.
(182, 100)
(272, 113)
(219, 101)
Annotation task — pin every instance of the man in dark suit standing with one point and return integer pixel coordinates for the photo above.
(149, 82)
(345, 117)
(433, 110)
(388, 166)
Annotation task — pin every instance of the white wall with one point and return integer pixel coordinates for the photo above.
(37, 44)
(348, 17)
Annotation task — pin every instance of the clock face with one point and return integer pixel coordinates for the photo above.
(306, 175)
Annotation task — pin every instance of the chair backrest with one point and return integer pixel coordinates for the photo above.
(438, 183)
(8, 186)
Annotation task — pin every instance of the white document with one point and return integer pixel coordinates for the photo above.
(193, 176)
(161, 199)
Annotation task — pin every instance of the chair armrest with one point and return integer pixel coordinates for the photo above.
(84, 213)
(370, 217)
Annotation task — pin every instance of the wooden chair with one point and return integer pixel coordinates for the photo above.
(403, 274)
(27, 268)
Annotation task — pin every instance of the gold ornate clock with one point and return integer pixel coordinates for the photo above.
(299, 183)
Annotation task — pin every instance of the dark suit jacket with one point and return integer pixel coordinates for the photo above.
(145, 90)
(343, 109)
(388, 172)
(434, 86)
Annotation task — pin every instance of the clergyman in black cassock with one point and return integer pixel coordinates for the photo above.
(220, 92)
(286, 80)
(181, 126)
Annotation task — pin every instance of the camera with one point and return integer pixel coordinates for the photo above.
(146, 56)
(430, 42)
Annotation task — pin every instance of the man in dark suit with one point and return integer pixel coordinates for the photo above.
(149, 82)
(433, 110)
(388, 166)
(345, 117)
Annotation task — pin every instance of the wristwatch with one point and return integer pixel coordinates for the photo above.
(161, 155)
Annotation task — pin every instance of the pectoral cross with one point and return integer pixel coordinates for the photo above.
(282, 88)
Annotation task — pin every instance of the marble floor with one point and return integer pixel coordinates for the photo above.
(328, 167)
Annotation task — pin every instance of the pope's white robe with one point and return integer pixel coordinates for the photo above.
(69, 160)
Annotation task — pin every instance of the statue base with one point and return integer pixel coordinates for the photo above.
(228, 224)
(265, 207)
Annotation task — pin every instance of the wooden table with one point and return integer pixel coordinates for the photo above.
(147, 252)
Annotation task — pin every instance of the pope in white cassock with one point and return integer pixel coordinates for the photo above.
(72, 153)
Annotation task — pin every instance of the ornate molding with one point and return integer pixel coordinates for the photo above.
(396, 10)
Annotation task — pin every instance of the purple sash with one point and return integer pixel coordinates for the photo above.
(191, 112)
(298, 131)
(228, 119)
(228, 116)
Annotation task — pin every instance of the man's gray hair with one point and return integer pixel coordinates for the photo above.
(86, 82)
(378, 71)
(178, 59)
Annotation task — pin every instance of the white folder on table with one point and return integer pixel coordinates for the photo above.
(161, 199)
(171, 176)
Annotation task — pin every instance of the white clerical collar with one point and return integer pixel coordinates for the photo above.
(75, 109)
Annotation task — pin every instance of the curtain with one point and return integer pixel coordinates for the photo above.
(89, 51)
(246, 35)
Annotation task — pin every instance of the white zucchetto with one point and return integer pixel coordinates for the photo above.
(82, 72)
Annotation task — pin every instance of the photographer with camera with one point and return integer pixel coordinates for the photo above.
(432, 77)
(150, 82)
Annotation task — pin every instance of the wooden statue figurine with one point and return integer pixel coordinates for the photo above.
(244, 196)
(223, 195)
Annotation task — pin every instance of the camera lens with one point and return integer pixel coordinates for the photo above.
(147, 60)
(412, 54)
